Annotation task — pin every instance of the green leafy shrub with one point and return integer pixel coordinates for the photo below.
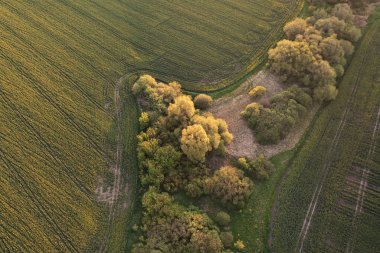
(227, 238)
(230, 186)
(202, 101)
(223, 218)
(259, 168)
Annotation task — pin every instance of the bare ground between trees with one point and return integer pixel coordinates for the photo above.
(244, 143)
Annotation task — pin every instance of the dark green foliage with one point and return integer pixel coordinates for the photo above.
(173, 228)
(286, 108)
(259, 168)
(227, 238)
(223, 218)
(230, 186)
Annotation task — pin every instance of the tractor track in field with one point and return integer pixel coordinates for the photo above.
(315, 198)
(116, 168)
(38, 202)
(45, 94)
(363, 183)
(50, 151)
(58, 67)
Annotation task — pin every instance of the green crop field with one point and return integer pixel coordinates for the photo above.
(60, 62)
(330, 200)
(204, 42)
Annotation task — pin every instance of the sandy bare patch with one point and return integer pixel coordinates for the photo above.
(244, 143)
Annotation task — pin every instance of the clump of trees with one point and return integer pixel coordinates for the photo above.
(176, 138)
(158, 94)
(311, 58)
(171, 227)
(315, 53)
(172, 151)
(271, 124)
(355, 4)
(230, 185)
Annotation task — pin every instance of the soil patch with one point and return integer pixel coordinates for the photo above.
(244, 143)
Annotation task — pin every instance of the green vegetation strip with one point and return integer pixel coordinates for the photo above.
(251, 225)
(319, 200)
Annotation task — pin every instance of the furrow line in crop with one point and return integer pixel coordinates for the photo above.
(314, 201)
(52, 152)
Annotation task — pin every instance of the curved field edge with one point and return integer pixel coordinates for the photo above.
(304, 174)
(219, 88)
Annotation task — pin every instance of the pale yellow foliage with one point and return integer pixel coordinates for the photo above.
(216, 129)
(195, 143)
(295, 27)
(143, 82)
(257, 91)
(182, 108)
(239, 244)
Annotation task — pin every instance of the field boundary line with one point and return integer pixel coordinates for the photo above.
(118, 161)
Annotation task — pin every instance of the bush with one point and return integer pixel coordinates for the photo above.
(295, 27)
(202, 101)
(243, 164)
(260, 168)
(144, 120)
(227, 238)
(252, 113)
(239, 244)
(223, 218)
(230, 185)
(257, 92)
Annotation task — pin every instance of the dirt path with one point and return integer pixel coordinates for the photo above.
(111, 195)
(230, 106)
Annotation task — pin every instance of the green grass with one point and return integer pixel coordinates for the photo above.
(252, 223)
(59, 61)
(121, 237)
(334, 224)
